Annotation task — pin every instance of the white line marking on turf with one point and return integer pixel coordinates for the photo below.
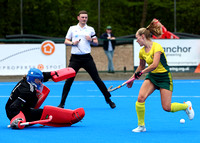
(107, 82)
(116, 96)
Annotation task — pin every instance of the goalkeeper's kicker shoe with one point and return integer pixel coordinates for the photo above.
(189, 111)
(139, 129)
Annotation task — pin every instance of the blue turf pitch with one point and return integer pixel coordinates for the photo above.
(102, 124)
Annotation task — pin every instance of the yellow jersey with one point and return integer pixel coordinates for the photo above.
(148, 57)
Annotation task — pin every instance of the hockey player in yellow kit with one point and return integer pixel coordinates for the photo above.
(158, 77)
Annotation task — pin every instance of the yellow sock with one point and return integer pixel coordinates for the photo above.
(140, 109)
(178, 107)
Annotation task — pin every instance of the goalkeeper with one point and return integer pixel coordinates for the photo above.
(28, 95)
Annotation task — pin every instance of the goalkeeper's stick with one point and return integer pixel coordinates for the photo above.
(36, 122)
(110, 89)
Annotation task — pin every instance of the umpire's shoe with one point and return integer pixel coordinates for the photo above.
(61, 106)
(112, 104)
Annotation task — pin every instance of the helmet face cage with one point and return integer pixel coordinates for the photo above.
(33, 74)
(40, 89)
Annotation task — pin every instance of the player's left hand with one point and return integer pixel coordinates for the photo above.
(138, 74)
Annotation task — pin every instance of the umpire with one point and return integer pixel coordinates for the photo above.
(80, 37)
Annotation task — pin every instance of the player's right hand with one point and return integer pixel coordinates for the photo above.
(16, 124)
(129, 85)
(76, 42)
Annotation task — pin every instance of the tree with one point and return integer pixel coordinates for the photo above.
(144, 14)
(53, 17)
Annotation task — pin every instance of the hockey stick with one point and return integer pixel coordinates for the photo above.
(36, 122)
(110, 89)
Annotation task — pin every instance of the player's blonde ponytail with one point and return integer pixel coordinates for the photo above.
(153, 28)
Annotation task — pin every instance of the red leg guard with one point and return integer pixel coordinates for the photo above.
(15, 121)
(62, 117)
